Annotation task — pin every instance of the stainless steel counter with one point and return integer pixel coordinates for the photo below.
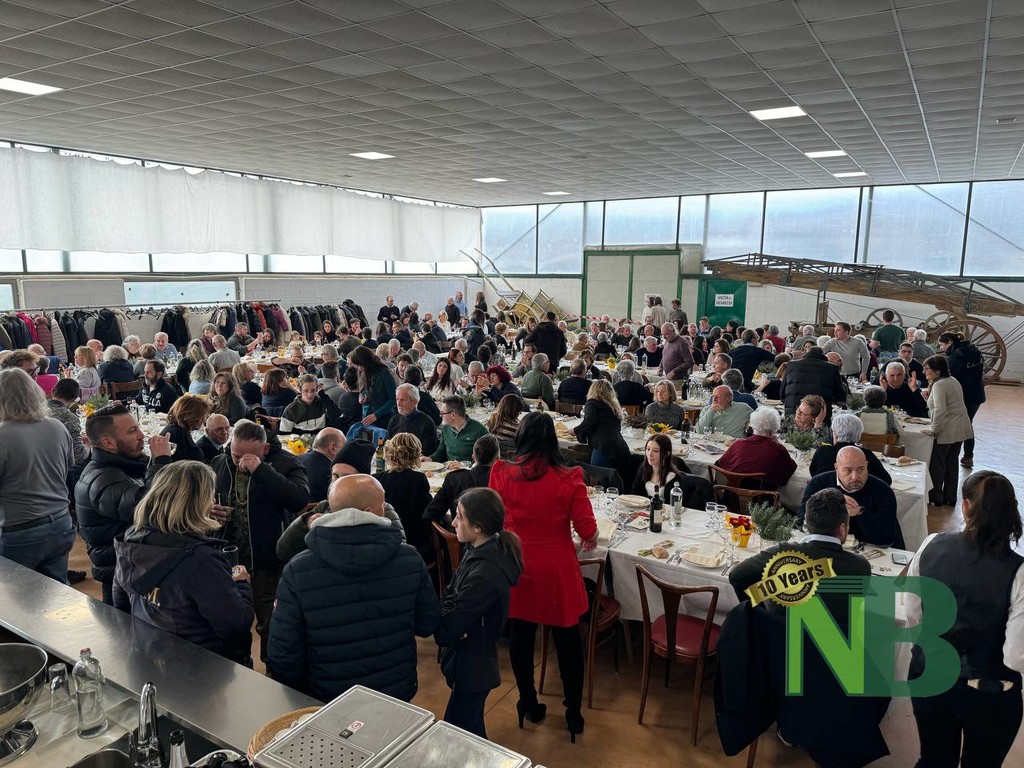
(218, 699)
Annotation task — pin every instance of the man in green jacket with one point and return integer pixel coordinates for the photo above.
(458, 432)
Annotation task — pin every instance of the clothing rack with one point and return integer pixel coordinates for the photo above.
(144, 307)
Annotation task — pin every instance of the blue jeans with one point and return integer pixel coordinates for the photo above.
(44, 548)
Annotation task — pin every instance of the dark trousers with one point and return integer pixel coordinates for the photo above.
(945, 473)
(981, 726)
(466, 711)
(264, 591)
(969, 444)
(108, 592)
(568, 648)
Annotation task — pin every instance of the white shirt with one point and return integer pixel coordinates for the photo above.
(1013, 645)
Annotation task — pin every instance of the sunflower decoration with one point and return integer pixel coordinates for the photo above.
(94, 403)
(657, 427)
(298, 444)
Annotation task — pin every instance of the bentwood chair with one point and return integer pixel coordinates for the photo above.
(721, 476)
(676, 636)
(124, 391)
(447, 549)
(569, 409)
(602, 625)
(738, 500)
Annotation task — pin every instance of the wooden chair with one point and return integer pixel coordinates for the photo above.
(632, 410)
(738, 500)
(674, 636)
(269, 423)
(894, 451)
(447, 549)
(878, 442)
(719, 476)
(569, 409)
(602, 620)
(129, 388)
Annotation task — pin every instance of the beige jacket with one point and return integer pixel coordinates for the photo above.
(950, 421)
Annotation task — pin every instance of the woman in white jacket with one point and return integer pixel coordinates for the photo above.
(951, 425)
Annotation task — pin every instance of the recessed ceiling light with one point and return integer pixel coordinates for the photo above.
(826, 153)
(1005, 120)
(24, 86)
(849, 174)
(778, 113)
(371, 155)
(489, 180)
(553, 194)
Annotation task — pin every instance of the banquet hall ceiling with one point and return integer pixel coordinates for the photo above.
(598, 99)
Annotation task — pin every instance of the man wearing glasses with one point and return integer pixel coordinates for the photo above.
(458, 433)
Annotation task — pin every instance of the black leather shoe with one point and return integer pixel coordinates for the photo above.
(76, 576)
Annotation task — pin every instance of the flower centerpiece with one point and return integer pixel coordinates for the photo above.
(94, 403)
(740, 528)
(298, 444)
(656, 427)
(773, 523)
(767, 368)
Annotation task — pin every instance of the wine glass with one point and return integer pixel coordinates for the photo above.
(599, 498)
(712, 511)
(610, 495)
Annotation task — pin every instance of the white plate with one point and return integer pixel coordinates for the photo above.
(634, 502)
(851, 542)
(431, 466)
(704, 555)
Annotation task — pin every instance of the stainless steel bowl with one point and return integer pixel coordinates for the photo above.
(22, 675)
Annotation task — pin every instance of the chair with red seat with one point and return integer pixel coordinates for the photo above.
(674, 636)
(600, 626)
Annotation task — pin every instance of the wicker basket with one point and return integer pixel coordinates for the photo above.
(266, 733)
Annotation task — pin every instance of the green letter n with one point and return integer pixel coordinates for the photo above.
(844, 657)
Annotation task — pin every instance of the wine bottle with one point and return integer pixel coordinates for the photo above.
(656, 510)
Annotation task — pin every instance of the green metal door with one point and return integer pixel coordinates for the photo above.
(722, 301)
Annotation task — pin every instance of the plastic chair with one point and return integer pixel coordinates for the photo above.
(674, 636)
(604, 615)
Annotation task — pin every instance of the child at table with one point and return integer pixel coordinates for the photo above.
(658, 469)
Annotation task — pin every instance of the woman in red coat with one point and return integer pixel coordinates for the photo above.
(543, 497)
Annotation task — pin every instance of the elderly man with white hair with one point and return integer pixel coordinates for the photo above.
(473, 372)
(846, 430)
(164, 350)
(922, 349)
(537, 384)
(761, 452)
(807, 334)
(412, 420)
(723, 414)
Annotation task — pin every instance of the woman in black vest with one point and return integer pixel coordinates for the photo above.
(975, 722)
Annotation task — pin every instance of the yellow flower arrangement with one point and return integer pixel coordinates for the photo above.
(657, 427)
(295, 445)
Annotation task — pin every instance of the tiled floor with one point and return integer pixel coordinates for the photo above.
(614, 740)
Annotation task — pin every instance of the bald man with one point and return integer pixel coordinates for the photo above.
(318, 461)
(871, 503)
(216, 433)
(349, 608)
(724, 414)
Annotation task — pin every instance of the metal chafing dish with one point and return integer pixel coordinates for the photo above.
(359, 729)
(22, 675)
(445, 745)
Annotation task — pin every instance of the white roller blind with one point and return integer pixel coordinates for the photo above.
(53, 202)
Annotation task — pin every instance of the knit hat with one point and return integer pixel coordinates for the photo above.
(357, 454)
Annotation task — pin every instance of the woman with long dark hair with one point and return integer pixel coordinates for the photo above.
(976, 720)
(227, 398)
(543, 497)
(327, 332)
(657, 471)
(376, 387)
(441, 384)
(475, 606)
(504, 422)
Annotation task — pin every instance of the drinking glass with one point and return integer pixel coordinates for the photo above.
(599, 498)
(231, 553)
(610, 495)
(60, 688)
(711, 508)
(707, 431)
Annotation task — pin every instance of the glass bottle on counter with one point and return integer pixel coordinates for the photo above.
(677, 506)
(656, 511)
(178, 757)
(92, 719)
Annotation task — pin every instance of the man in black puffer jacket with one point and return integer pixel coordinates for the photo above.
(812, 375)
(264, 487)
(350, 607)
(549, 339)
(112, 483)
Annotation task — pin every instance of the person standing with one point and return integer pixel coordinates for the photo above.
(951, 425)
(856, 357)
(976, 720)
(887, 337)
(676, 355)
(113, 483)
(966, 366)
(186, 416)
(36, 455)
(475, 606)
(543, 497)
(264, 486)
(376, 387)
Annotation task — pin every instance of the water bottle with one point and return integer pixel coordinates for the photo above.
(179, 756)
(677, 506)
(643, 361)
(92, 720)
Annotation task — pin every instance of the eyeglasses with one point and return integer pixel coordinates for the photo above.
(444, 413)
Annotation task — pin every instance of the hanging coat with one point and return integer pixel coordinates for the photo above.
(122, 322)
(60, 347)
(31, 325)
(5, 337)
(42, 325)
(107, 329)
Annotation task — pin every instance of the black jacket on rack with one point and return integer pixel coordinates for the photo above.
(107, 329)
(175, 326)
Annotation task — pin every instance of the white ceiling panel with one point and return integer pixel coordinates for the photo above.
(602, 98)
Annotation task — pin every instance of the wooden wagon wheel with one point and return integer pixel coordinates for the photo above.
(875, 319)
(935, 320)
(983, 336)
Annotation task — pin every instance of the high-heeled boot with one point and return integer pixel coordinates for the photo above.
(574, 722)
(532, 711)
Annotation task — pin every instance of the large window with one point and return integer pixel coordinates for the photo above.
(734, 224)
(918, 227)
(995, 238)
(412, 267)
(461, 267)
(560, 239)
(10, 261)
(6, 296)
(812, 223)
(46, 261)
(97, 261)
(510, 238)
(199, 262)
(651, 221)
(282, 262)
(692, 211)
(187, 292)
(593, 223)
(340, 265)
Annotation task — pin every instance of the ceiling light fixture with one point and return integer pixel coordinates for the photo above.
(825, 153)
(489, 180)
(1005, 120)
(778, 113)
(553, 194)
(24, 86)
(849, 174)
(371, 155)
